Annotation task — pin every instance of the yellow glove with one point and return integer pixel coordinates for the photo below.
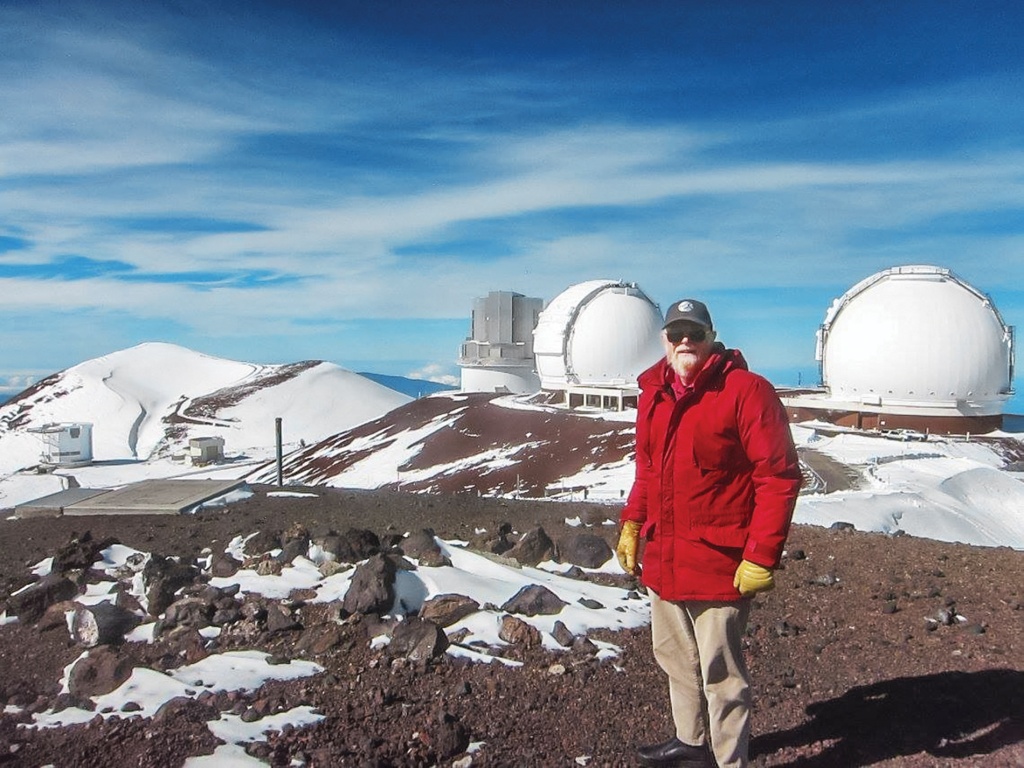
(625, 550)
(752, 578)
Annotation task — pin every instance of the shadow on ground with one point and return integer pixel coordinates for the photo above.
(950, 715)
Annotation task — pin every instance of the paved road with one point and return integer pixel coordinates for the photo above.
(823, 474)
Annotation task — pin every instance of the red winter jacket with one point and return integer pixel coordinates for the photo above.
(717, 478)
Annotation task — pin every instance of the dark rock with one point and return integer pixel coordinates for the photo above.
(320, 639)
(517, 632)
(292, 549)
(587, 550)
(224, 616)
(372, 589)
(842, 526)
(357, 544)
(185, 708)
(100, 671)
(280, 619)
(534, 547)
(162, 578)
(417, 639)
(29, 604)
(65, 700)
(102, 624)
(188, 612)
(181, 645)
(495, 542)
(55, 616)
(79, 554)
(128, 601)
(230, 590)
(588, 602)
(534, 600)
(418, 543)
(563, 636)
(445, 610)
(224, 565)
(264, 541)
(584, 645)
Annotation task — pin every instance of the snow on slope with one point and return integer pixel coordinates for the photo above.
(359, 435)
(942, 488)
(494, 445)
(148, 401)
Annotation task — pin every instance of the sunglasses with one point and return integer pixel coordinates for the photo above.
(696, 335)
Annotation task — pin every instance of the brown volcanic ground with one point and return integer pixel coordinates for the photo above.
(849, 671)
(539, 446)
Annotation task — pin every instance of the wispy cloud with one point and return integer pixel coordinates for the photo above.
(281, 172)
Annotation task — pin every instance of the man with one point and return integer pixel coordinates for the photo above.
(717, 478)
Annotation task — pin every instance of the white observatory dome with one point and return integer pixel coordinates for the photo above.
(917, 337)
(597, 333)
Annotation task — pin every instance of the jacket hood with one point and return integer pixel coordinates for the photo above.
(721, 361)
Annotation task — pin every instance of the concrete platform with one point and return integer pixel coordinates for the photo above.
(149, 497)
(54, 504)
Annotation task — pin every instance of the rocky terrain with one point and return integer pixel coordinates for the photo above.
(874, 650)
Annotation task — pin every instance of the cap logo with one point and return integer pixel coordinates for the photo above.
(685, 306)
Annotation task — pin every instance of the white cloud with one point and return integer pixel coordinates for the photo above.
(435, 372)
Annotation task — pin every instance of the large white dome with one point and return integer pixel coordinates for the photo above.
(597, 333)
(917, 337)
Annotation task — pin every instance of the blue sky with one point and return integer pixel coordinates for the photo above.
(273, 182)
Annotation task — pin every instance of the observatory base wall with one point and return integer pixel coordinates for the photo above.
(935, 425)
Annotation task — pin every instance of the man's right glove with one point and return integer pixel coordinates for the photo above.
(626, 549)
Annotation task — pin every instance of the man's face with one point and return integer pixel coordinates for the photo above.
(687, 347)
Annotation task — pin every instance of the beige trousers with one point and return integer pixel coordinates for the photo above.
(698, 645)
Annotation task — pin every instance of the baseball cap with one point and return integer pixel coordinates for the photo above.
(690, 310)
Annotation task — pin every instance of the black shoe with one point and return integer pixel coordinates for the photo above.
(673, 754)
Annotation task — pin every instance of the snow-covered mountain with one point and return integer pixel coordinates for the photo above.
(146, 402)
(343, 430)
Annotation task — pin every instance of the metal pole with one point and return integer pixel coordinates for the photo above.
(280, 454)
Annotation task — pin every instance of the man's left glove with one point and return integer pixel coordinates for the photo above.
(626, 549)
(752, 578)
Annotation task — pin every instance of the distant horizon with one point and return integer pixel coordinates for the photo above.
(780, 377)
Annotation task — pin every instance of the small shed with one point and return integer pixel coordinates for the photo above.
(65, 444)
(206, 450)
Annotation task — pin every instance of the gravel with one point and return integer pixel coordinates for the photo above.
(873, 650)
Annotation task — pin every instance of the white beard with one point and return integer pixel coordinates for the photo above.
(686, 364)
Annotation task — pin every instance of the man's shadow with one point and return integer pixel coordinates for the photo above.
(948, 715)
